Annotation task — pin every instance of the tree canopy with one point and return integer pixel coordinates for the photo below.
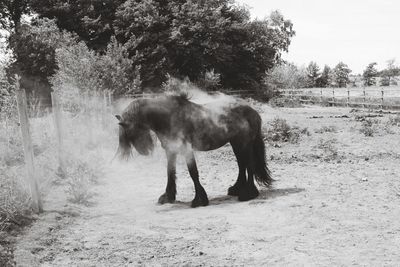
(341, 74)
(11, 12)
(313, 74)
(370, 74)
(182, 38)
(326, 78)
(189, 38)
(389, 73)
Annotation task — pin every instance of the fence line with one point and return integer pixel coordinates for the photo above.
(382, 98)
(238, 93)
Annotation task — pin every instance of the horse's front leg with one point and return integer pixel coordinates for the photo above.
(170, 192)
(200, 198)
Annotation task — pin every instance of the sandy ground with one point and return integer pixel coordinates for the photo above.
(323, 211)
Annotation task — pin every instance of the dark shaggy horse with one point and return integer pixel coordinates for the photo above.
(183, 126)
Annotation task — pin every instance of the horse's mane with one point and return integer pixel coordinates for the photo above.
(130, 112)
(180, 96)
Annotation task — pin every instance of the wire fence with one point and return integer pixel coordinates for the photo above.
(236, 93)
(365, 97)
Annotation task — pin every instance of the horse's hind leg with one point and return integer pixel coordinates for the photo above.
(170, 192)
(251, 189)
(200, 198)
(244, 188)
(242, 161)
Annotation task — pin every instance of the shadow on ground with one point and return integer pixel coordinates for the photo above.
(274, 193)
(264, 195)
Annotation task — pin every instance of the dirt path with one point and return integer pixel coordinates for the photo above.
(319, 213)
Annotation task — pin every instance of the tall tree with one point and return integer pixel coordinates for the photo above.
(286, 76)
(91, 20)
(34, 49)
(325, 80)
(341, 74)
(187, 38)
(389, 74)
(369, 74)
(313, 74)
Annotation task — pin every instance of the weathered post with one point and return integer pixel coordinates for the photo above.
(104, 110)
(348, 97)
(28, 149)
(88, 116)
(109, 98)
(320, 99)
(333, 96)
(59, 133)
(364, 96)
(291, 95)
(382, 92)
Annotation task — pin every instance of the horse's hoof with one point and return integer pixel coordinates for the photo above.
(248, 193)
(253, 192)
(233, 191)
(165, 199)
(198, 201)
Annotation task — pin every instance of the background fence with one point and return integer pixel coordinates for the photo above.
(361, 97)
(365, 97)
(237, 93)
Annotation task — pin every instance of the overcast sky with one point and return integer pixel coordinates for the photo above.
(356, 32)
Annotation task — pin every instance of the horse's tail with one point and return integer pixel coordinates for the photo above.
(261, 172)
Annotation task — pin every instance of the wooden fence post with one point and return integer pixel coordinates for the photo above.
(7, 139)
(321, 99)
(348, 97)
(59, 132)
(106, 110)
(28, 149)
(109, 98)
(89, 116)
(333, 96)
(364, 97)
(382, 92)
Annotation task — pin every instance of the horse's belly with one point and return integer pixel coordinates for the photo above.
(207, 146)
(208, 141)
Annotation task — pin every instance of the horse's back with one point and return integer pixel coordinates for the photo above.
(213, 125)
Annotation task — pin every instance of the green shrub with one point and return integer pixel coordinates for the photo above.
(394, 120)
(369, 127)
(281, 131)
(79, 184)
(210, 82)
(82, 69)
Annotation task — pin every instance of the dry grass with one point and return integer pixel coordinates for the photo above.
(329, 148)
(326, 129)
(14, 198)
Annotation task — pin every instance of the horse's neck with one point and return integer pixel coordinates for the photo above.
(156, 116)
